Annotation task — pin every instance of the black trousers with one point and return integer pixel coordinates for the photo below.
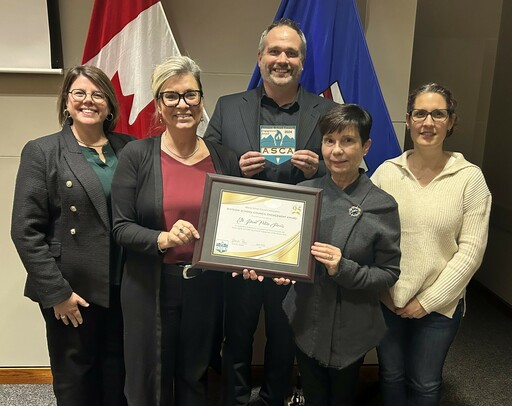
(191, 312)
(87, 361)
(323, 386)
(244, 299)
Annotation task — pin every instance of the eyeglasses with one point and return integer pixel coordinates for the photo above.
(80, 95)
(438, 115)
(190, 97)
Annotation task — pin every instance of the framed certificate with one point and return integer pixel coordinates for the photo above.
(253, 224)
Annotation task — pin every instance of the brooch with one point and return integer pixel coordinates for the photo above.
(354, 211)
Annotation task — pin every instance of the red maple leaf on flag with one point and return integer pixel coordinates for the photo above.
(126, 42)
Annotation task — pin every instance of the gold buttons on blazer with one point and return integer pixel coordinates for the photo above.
(72, 231)
(72, 208)
(69, 183)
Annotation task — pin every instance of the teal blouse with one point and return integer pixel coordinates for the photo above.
(105, 172)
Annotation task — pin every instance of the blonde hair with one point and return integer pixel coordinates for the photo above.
(173, 66)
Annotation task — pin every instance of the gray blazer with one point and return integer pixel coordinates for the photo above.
(235, 124)
(338, 319)
(60, 221)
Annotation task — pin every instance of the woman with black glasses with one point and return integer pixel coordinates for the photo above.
(61, 227)
(171, 313)
(444, 207)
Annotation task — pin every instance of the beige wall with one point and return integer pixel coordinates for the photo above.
(391, 51)
(224, 44)
(455, 45)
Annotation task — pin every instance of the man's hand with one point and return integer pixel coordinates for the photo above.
(251, 163)
(307, 161)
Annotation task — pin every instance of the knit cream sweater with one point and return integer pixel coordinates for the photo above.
(444, 230)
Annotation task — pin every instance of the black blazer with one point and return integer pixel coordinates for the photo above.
(137, 205)
(235, 124)
(60, 221)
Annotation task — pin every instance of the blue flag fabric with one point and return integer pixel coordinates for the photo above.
(338, 66)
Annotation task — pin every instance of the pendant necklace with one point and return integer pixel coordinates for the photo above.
(92, 145)
(182, 156)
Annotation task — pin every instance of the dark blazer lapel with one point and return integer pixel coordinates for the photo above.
(84, 173)
(116, 142)
(308, 118)
(158, 177)
(250, 111)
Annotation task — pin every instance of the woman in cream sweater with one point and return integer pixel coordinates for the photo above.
(444, 207)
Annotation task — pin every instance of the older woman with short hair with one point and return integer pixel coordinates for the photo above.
(171, 312)
(337, 319)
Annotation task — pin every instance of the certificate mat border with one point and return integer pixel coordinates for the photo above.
(215, 185)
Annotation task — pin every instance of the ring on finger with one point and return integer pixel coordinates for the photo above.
(63, 316)
(331, 257)
(180, 230)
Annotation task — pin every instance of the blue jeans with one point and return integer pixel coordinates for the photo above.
(412, 355)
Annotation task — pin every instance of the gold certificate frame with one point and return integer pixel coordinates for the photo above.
(252, 224)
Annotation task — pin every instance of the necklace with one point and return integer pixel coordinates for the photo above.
(182, 156)
(92, 145)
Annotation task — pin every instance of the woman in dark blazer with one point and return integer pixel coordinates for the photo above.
(61, 227)
(171, 313)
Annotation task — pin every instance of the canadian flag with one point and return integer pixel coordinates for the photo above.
(126, 40)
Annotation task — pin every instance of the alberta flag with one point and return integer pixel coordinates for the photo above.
(338, 66)
(126, 40)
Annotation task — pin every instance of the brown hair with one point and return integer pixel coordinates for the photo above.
(100, 79)
(433, 87)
